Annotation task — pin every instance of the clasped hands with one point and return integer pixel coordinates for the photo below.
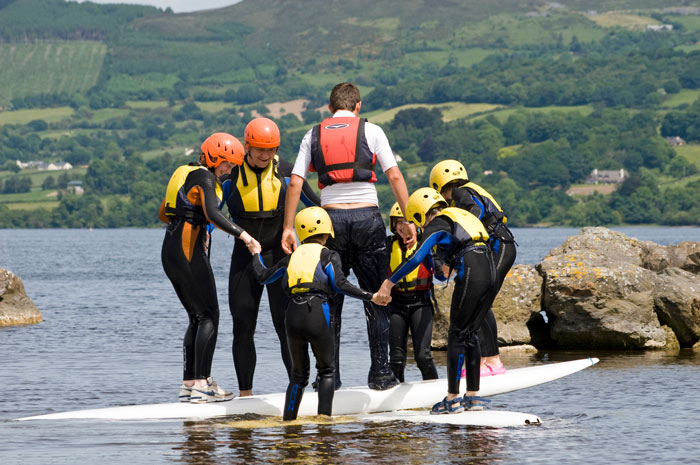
(383, 295)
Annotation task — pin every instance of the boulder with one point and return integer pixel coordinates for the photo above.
(16, 308)
(684, 255)
(605, 290)
(593, 301)
(677, 303)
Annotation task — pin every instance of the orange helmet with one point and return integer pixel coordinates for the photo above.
(262, 133)
(220, 147)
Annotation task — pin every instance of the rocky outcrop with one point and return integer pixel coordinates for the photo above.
(16, 308)
(600, 289)
(603, 289)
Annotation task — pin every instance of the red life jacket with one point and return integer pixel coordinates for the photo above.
(340, 153)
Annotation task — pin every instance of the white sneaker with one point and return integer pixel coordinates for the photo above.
(185, 393)
(220, 392)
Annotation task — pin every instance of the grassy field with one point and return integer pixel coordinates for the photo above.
(685, 96)
(50, 115)
(690, 152)
(623, 19)
(48, 67)
(38, 176)
(503, 114)
(450, 111)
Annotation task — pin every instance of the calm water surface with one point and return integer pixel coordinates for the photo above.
(112, 335)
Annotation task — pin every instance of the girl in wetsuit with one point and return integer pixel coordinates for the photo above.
(411, 307)
(312, 274)
(461, 242)
(191, 202)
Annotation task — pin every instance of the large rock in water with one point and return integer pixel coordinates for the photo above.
(16, 308)
(603, 289)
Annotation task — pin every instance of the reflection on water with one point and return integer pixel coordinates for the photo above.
(314, 440)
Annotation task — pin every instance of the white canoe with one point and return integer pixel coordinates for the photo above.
(347, 401)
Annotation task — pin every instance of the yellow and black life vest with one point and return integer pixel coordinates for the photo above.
(468, 229)
(259, 191)
(419, 279)
(304, 271)
(491, 211)
(178, 202)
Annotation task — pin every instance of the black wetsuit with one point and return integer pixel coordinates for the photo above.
(244, 291)
(475, 287)
(308, 321)
(411, 309)
(502, 244)
(186, 263)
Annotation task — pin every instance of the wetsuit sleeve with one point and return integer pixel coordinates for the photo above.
(438, 232)
(266, 275)
(161, 213)
(339, 282)
(463, 199)
(210, 204)
(308, 195)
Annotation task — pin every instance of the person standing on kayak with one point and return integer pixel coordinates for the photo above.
(460, 240)
(344, 150)
(310, 275)
(449, 177)
(191, 203)
(255, 193)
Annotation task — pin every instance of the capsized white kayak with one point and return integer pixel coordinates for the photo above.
(347, 401)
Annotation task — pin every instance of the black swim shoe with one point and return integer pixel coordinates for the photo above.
(382, 383)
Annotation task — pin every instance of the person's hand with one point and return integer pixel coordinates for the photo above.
(383, 295)
(407, 231)
(250, 242)
(446, 271)
(379, 300)
(289, 240)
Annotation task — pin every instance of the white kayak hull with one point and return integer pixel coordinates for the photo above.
(347, 401)
(490, 418)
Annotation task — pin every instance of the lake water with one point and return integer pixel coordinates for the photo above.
(112, 335)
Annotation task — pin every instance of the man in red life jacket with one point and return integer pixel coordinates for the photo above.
(343, 150)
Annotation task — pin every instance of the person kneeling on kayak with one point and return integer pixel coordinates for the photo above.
(461, 242)
(312, 274)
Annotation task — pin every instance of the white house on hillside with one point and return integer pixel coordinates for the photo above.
(607, 176)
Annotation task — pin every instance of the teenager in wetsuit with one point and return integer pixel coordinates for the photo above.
(311, 275)
(191, 202)
(449, 177)
(411, 306)
(461, 242)
(255, 193)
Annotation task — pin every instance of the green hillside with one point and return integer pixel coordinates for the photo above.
(51, 67)
(530, 96)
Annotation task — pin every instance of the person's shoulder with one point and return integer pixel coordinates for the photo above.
(373, 126)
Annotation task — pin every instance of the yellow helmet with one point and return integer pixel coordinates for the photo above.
(420, 202)
(311, 221)
(445, 172)
(396, 211)
(395, 215)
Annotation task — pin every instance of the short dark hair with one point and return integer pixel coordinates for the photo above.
(344, 96)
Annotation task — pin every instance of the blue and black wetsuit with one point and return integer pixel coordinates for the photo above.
(310, 275)
(192, 202)
(475, 199)
(255, 199)
(461, 245)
